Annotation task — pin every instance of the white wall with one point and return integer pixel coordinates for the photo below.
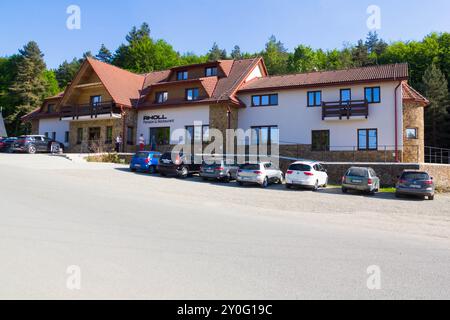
(177, 118)
(54, 125)
(296, 121)
(256, 73)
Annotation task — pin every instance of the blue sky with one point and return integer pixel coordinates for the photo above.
(194, 25)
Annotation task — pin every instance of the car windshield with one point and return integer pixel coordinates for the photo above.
(142, 155)
(415, 176)
(251, 167)
(300, 167)
(358, 172)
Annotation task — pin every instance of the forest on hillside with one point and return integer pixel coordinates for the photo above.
(25, 79)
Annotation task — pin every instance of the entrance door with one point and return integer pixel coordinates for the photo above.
(94, 134)
(159, 137)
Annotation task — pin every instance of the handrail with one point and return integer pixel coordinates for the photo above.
(92, 110)
(345, 109)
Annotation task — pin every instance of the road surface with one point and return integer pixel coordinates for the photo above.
(73, 230)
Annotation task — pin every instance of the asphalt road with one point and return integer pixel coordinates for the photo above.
(135, 236)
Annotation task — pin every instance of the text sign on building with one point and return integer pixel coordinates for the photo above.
(156, 119)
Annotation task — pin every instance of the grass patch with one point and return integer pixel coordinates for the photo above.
(382, 190)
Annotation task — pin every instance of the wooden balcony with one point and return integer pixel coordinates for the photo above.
(90, 110)
(345, 109)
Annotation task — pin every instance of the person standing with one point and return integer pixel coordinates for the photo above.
(118, 143)
(141, 142)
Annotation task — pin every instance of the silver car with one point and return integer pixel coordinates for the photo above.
(218, 169)
(262, 173)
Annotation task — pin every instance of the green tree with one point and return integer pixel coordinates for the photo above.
(236, 54)
(104, 54)
(66, 72)
(276, 56)
(29, 86)
(216, 53)
(436, 115)
(304, 59)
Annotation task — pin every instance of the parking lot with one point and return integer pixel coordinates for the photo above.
(142, 236)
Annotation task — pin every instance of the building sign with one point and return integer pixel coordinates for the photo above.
(157, 119)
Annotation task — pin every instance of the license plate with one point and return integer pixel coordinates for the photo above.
(356, 181)
(138, 166)
(415, 186)
(210, 171)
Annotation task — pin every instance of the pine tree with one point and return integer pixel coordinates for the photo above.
(216, 53)
(29, 87)
(236, 54)
(104, 54)
(66, 72)
(435, 88)
(275, 56)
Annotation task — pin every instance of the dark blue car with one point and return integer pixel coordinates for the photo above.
(145, 161)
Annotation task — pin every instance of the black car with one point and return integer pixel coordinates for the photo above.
(415, 183)
(6, 143)
(177, 164)
(34, 144)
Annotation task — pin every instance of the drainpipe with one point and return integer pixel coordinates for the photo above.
(122, 111)
(396, 122)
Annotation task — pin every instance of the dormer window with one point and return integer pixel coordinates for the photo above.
(161, 97)
(192, 94)
(50, 108)
(182, 75)
(211, 72)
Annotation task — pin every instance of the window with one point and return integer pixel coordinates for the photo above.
(367, 139)
(109, 135)
(192, 94)
(346, 95)
(411, 133)
(320, 140)
(211, 72)
(95, 100)
(265, 100)
(373, 95)
(265, 135)
(182, 75)
(197, 134)
(54, 136)
(159, 137)
(66, 137)
(314, 98)
(79, 135)
(130, 139)
(161, 97)
(50, 108)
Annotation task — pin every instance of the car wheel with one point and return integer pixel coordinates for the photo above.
(31, 149)
(151, 170)
(344, 190)
(240, 183)
(326, 184)
(316, 186)
(184, 173)
(431, 198)
(281, 180)
(265, 184)
(228, 178)
(288, 186)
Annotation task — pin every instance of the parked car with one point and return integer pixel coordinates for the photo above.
(6, 143)
(36, 143)
(145, 161)
(361, 179)
(177, 164)
(262, 173)
(218, 169)
(307, 174)
(415, 183)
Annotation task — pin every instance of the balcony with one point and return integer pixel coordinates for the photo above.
(345, 109)
(90, 111)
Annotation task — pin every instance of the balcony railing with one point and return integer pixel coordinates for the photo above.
(345, 109)
(90, 110)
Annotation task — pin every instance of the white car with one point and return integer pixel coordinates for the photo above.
(262, 173)
(308, 174)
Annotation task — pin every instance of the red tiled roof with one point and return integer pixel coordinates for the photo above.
(356, 75)
(410, 94)
(123, 86)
